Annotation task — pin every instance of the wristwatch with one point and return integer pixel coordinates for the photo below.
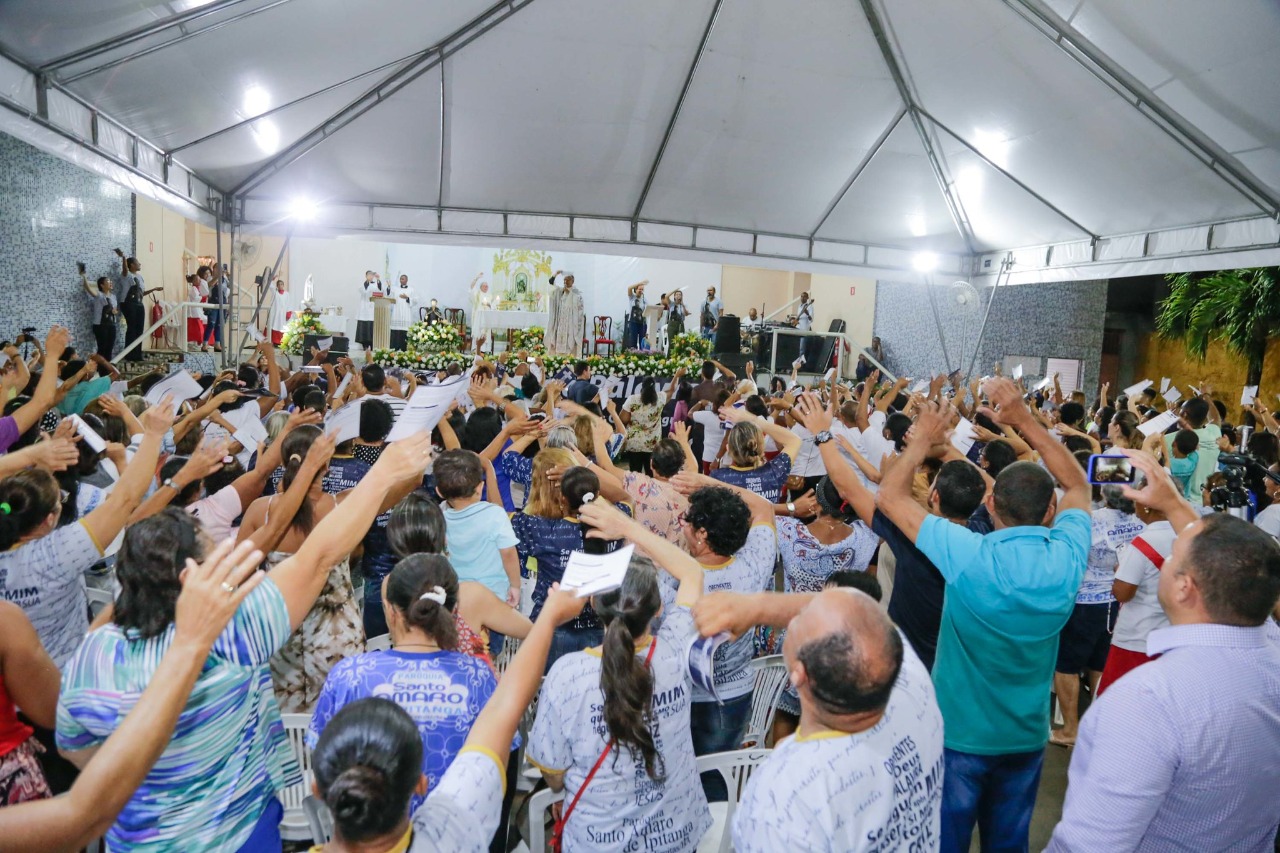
(168, 481)
(791, 507)
(822, 437)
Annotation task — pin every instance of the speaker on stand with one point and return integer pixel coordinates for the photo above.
(728, 339)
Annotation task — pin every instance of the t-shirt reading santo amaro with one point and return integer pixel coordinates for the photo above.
(623, 809)
(887, 781)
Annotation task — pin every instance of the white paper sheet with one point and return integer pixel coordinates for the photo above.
(254, 335)
(249, 430)
(344, 423)
(342, 386)
(1017, 371)
(324, 343)
(118, 389)
(1137, 388)
(1164, 384)
(1171, 394)
(182, 386)
(590, 574)
(963, 437)
(89, 435)
(701, 656)
(920, 386)
(1159, 423)
(428, 405)
(1043, 384)
(829, 375)
(1248, 395)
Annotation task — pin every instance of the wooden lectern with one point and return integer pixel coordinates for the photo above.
(382, 307)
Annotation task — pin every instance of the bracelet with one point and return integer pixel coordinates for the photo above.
(1186, 527)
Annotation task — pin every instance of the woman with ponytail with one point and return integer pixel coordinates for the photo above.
(281, 524)
(417, 526)
(613, 728)
(746, 448)
(441, 687)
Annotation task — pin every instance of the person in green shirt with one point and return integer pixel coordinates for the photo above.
(1201, 417)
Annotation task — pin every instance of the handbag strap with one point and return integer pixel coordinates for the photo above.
(608, 747)
(1156, 558)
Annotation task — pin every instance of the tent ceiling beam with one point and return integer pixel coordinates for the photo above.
(1146, 102)
(1026, 189)
(861, 167)
(891, 61)
(675, 114)
(446, 47)
(386, 66)
(170, 43)
(108, 45)
(94, 143)
(440, 174)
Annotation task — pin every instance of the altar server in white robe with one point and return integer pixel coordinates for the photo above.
(404, 314)
(565, 328)
(283, 306)
(482, 301)
(364, 320)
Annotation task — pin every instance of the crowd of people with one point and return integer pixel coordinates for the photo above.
(932, 568)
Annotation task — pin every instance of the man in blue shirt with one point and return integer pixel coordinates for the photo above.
(581, 390)
(1008, 596)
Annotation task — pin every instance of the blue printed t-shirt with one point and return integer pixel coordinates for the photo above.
(443, 691)
(549, 542)
(228, 754)
(749, 570)
(1113, 530)
(476, 536)
(765, 480)
(345, 472)
(1009, 594)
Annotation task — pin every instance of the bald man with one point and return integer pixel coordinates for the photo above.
(864, 770)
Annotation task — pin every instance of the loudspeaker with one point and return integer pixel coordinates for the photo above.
(728, 335)
(735, 361)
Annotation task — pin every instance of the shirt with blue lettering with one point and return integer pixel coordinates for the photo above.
(623, 809)
(1113, 530)
(443, 692)
(749, 570)
(874, 790)
(45, 577)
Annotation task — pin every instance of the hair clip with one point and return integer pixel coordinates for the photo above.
(588, 497)
(293, 456)
(437, 594)
(5, 509)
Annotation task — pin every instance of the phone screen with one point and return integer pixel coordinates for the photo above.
(1110, 470)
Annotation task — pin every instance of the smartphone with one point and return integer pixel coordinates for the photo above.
(1111, 470)
(80, 267)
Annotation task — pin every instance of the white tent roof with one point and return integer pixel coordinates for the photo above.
(1095, 137)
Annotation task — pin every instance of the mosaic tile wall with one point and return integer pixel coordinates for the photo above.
(53, 214)
(1058, 320)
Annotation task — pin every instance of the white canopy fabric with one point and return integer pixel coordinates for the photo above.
(1093, 136)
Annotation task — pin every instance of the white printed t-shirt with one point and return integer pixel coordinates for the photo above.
(1142, 614)
(462, 813)
(623, 809)
(873, 439)
(713, 430)
(750, 570)
(876, 790)
(46, 579)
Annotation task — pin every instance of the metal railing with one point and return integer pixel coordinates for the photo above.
(225, 307)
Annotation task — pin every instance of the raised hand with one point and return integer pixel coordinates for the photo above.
(605, 520)
(1009, 407)
(56, 341)
(158, 419)
(811, 414)
(687, 483)
(56, 454)
(930, 426)
(406, 459)
(806, 505)
(207, 459)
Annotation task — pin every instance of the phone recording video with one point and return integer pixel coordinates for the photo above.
(1111, 470)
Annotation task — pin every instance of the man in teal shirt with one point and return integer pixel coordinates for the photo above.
(1009, 594)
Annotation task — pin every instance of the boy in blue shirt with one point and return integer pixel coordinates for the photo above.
(480, 541)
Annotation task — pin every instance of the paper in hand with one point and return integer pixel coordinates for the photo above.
(118, 389)
(1017, 371)
(1164, 384)
(1137, 388)
(1171, 394)
(344, 423)
(798, 363)
(701, 659)
(963, 437)
(324, 343)
(89, 435)
(254, 335)
(829, 375)
(1159, 423)
(1043, 384)
(591, 574)
(1248, 395)
(1194, 390)
(181, 386)
(342, 386)
(427, 406)
(4, 359)
(920, 386)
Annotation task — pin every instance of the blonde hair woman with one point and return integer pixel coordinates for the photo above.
(746, 441)
(548, 534)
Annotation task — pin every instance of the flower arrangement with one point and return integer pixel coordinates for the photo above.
(527, 339)
(434, 337)
(687, 341)
(420, 360)
(298, 327)
(625, 364)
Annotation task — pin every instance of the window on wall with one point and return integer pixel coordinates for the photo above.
(1068, 370)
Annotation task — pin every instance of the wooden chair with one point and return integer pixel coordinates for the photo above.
(602, 335)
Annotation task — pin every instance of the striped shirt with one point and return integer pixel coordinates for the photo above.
(1182, 753)
(228, 754)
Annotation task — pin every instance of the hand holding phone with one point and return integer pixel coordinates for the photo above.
(1107, 470)
(80, 267)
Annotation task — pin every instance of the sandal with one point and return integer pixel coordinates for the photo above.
(1065, 743)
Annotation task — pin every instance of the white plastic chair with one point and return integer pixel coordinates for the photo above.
(99, 600)
(770, 677)
(736, 768)
(510, 646)
(380, 643)
(319, 819)
(537, 827)
(294, 825)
